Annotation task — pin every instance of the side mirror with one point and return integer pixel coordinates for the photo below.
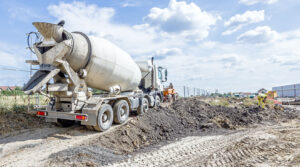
(166, 75)
(162, 74)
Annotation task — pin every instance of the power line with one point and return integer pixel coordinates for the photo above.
(12, 69)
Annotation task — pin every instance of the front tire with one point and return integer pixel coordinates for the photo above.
(121, 111)
(144, 107)
(105, 118)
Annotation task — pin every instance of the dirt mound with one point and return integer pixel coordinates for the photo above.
(19, 120)
(228, 117)
(187, 116)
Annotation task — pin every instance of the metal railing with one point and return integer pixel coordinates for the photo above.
(187, 91)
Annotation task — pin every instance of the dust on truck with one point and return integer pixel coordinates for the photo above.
(72, 62)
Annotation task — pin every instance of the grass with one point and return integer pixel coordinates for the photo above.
(219, 102)
(19, 103)
(250, 102)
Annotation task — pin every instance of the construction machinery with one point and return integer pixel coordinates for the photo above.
(272, 94)
(170, 94)
(72, 62)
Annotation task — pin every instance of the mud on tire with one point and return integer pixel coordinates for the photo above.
(121, 111)
(144, 107)
(105, 118)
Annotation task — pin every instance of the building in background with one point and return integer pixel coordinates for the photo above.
(8, 88)
(262, 90)
(287, 90)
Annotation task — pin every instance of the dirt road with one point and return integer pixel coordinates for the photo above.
(275, 145)
(262, 146)
(33, 147)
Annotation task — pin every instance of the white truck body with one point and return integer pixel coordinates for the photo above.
(76, 62)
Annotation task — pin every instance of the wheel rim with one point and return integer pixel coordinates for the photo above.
(123, 112)
(105, 117)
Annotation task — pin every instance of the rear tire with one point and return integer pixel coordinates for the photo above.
(65, 123)
(121, 111)
(105, 118)
(144, 107)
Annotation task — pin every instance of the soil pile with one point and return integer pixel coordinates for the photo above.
(19, 120)
(188, 116)
(185, 117)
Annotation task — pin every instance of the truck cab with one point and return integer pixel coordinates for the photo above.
(151, 84)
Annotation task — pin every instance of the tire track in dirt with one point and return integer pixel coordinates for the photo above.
(183, 151)
(34, 147)
(263, 145)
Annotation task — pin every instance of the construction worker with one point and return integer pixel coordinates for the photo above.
(171, 86)
(262, 98)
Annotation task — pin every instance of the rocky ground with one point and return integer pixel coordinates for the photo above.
(192, 131)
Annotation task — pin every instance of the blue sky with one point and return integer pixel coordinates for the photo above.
(232, 45)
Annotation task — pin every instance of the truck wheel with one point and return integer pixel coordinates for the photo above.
(65, 123)
(105, 118)
(121, 111)
(144, 107)
(157, 101)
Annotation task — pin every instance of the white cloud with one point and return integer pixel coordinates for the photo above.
(229, 60)
(259, 35)
(167, 52)
(17, 11)
(238, 21)
(181, 18)
(252, 2)
(12, 65)
(97, 21)
(240, 65)
(11, 55)
(130, 4)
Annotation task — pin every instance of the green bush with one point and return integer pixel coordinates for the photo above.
(19, 108)
(17, 92)
(3, 108)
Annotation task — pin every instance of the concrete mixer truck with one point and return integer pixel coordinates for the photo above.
(71, 63)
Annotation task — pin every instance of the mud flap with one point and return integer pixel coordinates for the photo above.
(39, 79)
